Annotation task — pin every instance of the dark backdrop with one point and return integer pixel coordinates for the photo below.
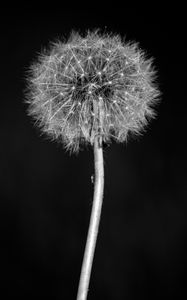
(46, 194)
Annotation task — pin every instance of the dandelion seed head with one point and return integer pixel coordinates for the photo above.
(96, 84)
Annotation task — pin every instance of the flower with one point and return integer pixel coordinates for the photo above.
(91, 85)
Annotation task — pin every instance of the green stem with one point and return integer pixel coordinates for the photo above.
(94, 221)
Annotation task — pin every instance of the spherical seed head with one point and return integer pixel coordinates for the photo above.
(96, 84)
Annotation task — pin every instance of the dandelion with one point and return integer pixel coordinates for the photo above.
(92, 89)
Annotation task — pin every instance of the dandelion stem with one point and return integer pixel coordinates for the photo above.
(94, 220)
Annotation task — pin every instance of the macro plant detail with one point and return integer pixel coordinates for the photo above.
(91, 89)
(92, 85)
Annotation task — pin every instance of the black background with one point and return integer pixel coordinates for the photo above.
(46, 194)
